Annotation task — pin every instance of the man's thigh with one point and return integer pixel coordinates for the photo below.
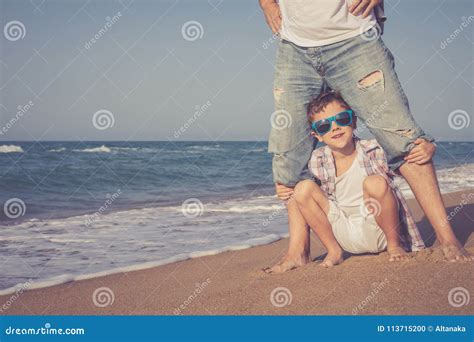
(364, 73)
(296, 83)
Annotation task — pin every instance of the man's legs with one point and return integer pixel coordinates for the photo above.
(427, 193)
(364, 72)
(385, 211)
(296, 83)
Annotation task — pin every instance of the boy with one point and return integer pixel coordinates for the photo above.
(357, 207)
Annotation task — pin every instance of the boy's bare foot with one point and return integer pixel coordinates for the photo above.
(455, 252)
(397, 253)
(332, 259)
(287, 263)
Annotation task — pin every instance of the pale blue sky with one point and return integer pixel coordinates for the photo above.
(151, 79)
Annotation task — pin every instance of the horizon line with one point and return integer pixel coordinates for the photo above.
(214, 141)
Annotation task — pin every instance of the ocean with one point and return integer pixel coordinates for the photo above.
(73, 210)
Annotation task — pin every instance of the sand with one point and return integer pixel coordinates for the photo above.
(233, 283)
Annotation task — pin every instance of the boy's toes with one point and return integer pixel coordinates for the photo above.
(326, 263)
(287, 264)
(332, 259)
(399, 257)
(395, 258)
(397, 254)
(468, 257)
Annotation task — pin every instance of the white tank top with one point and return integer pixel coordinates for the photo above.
(311, 23)
(349, 193)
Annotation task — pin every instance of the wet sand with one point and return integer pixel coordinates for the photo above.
(232, 283)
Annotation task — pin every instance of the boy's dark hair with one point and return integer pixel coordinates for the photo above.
(319, 103)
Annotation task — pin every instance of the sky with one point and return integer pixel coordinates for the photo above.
(199, 70)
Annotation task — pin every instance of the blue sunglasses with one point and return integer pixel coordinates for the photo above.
(342, 119)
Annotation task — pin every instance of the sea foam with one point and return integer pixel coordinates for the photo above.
(11, 149)
(66, 278)
(101, 149)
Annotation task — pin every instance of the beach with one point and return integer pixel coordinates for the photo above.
(232, 283)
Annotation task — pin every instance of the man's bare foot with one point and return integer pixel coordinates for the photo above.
(397, 253)
(332, 259)
(455, 252)
(287, 263)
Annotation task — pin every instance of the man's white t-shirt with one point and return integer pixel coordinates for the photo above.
(311, 23)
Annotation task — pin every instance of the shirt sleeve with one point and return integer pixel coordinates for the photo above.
(312, 164)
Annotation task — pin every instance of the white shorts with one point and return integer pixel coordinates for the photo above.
(356, 234)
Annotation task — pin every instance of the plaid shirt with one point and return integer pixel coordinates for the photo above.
(372, 158)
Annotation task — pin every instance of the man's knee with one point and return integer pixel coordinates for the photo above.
(291, 166)
(375, 185)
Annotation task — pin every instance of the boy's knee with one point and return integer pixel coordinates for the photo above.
(375, 185)
(304, 191)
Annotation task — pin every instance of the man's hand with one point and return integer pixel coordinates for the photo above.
(422, 152)
(272, 14)
(283, 192)
(363, 6)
